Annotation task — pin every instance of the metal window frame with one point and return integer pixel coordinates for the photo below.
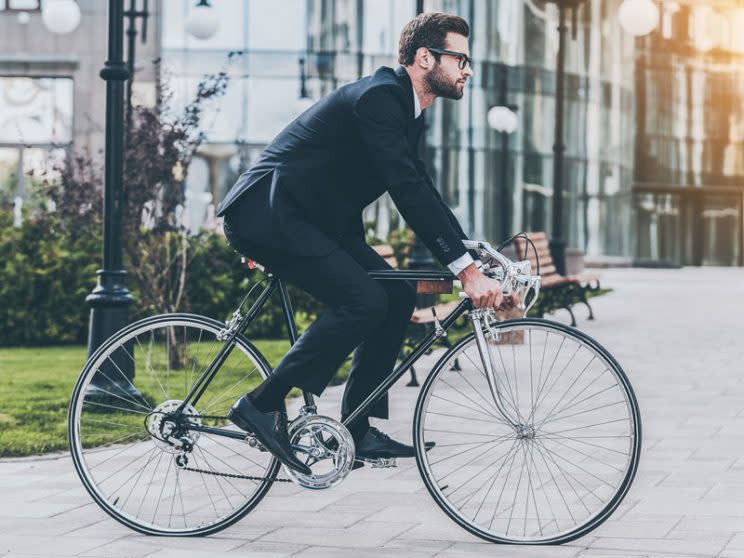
(5, 7)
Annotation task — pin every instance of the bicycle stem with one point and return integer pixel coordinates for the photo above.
(477, 317)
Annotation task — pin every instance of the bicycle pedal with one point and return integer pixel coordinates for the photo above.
(254, 443)
(381, 462)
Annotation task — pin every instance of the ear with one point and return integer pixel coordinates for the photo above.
(423, 58)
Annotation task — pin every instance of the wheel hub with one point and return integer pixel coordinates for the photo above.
(525, 432)
(165, 431)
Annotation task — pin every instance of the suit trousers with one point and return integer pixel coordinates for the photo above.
(361, 313)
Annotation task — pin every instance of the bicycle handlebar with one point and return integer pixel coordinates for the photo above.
(514, 276)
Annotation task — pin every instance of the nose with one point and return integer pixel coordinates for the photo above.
(468, 71)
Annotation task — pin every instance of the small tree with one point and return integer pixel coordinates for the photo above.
(159, 149)
(159, 152)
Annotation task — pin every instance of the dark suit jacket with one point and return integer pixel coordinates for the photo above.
(339, 156)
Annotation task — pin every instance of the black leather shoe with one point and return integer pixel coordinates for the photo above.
(270, 429)
(374, 444)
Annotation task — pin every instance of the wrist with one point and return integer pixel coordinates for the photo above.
(468, 274)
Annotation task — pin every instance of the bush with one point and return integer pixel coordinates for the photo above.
(219, 282)
(44, 279)
(46, 273)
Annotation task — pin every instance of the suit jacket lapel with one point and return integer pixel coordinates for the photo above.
(405, 82)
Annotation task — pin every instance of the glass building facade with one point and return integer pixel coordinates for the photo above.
(504, 184)
(496, 184)
(689, 168)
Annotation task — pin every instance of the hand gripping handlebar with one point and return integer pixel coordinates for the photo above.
(514, 276)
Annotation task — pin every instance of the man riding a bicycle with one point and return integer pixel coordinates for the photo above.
(298, 211)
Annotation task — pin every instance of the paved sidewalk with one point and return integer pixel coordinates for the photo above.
(677, 333)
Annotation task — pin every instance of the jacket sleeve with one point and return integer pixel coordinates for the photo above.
(380, 117)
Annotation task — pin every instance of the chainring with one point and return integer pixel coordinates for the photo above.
(326, 446)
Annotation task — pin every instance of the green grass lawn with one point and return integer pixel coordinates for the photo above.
(35, 388)
(36, 384)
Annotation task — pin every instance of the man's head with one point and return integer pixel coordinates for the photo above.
(434, 48)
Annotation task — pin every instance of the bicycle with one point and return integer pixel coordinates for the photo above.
(536, 433)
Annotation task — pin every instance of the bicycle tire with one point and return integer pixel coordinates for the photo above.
(128, 409)
(443, 493)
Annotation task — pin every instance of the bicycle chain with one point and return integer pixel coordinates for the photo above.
(233, 476)
(229, 475)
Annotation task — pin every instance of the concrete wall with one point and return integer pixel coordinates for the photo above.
(32, 50)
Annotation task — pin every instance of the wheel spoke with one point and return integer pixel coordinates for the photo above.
(564, 467)
(151, 492)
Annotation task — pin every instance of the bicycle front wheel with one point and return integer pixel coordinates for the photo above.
(566, 463)
(118, 433)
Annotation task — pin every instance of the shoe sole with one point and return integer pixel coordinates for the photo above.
(237, 421)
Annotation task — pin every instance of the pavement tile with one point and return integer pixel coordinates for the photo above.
(331, 516)
(49, 546)
(267, 549)
(275, 551)
(473, 550)
(737, 541)
(329, 552)
(404, 546)
(685, 501)
(122, 547)
(217, 543)
(645, 529)
(690, 547)
(366, 535)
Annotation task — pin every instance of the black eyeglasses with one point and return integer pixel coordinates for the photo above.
(462, 59)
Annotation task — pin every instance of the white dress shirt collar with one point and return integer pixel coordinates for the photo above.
(416, 104)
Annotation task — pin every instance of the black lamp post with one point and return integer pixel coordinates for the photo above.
(132, 14)
(557, 238)
(303, 80)
(110, 299)
(505, 201)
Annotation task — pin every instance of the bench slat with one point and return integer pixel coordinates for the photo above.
(424, 315)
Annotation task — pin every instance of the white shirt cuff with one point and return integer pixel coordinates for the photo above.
(460, 263)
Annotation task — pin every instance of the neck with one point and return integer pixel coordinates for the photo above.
(426, 97)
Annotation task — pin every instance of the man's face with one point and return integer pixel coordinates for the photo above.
(445, 78)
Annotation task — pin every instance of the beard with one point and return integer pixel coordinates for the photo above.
(441, 86)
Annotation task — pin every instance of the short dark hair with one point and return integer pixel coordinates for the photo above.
(428, 30)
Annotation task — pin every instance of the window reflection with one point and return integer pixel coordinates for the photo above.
(494, 186)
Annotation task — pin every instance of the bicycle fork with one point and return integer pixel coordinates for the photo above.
(480, 323)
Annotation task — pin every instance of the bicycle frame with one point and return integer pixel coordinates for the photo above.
(239, 324)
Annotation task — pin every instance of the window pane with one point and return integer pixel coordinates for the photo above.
(35, 110)
(23, 4)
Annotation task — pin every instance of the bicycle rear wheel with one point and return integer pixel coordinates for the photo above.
(567, 464)
(116, 436)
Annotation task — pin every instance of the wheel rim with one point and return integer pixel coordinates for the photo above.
(562, 469)
(116, 432)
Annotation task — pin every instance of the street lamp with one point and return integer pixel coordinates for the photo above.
(202, 22)
(503, 119)
(110, 298)
(132, 14)
(638, 17)
(60, 16)
(304, 101)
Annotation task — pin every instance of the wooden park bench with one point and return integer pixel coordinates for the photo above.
(556, 290)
